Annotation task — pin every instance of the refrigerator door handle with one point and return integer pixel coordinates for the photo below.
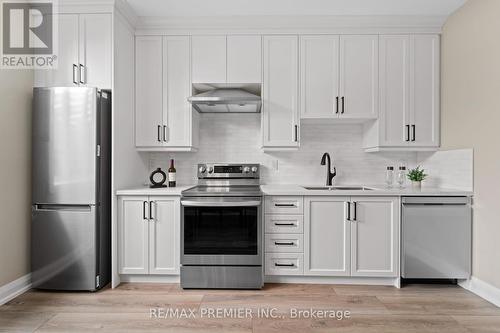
(57, 207)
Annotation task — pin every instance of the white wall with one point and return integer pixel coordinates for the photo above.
(15, 173)
(471, 116)
(236, 138)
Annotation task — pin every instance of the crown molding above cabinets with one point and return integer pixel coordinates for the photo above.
(392, 24)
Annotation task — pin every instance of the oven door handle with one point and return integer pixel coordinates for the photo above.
(194, 203)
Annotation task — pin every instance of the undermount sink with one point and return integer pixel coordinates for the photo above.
(338, 188)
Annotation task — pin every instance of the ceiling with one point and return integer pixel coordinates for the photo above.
(193, 8)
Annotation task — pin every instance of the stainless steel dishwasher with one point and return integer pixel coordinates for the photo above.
(436, 237)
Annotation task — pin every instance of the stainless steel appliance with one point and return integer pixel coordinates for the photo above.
(221, 228)
(235, 100)
(436, 237)
(71, 196)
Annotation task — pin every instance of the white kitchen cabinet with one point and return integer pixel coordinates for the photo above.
(409, 95)
(280, 113)
(164, 236)
(164, 119)
(319, 76)
(148, 235)
(359, 76)
(326, 236)
(375, 236)
(133, 235)
(84, 52)
(244, 59)
(209, 59)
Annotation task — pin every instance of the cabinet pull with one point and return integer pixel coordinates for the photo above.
(164, 133)
(407, 133)
(144, 203)
(284, 205)
(283, 265)
(284, 224)
(83, 77)
(75, 69)
(151, 210)
(355, 217)
(159, 133)
(284, 243)
(337, 104)
(413, 132)
(343, 105)
(296, 133)
(348, 211)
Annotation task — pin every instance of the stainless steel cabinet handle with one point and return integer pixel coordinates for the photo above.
(337, 104)
(164, 133)
(284, 243)
(159, 133)
(296, 133)
(284, 224)
(407, 133)
(75, 69)
(144, 203)
(283, 265)
(413, 132)
(284, 205)
(151, 210)
(348, 211)
(83, 78)
(343, 105)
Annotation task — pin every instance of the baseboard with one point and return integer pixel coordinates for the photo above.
(149, 278)
(381, 281)
(15, 288)
(482, 289)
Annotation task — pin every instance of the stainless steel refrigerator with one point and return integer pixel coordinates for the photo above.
(71, 197)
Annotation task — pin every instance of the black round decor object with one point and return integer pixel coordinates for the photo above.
(157, 178)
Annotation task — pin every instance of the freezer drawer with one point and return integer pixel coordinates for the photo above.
(63, 248)
(436, 236)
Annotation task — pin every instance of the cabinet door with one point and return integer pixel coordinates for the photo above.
(326, 236)
(96, 50)
(359, 76)
(164, 235)
(319, 79)
(425, 91)
(133, 235)
(375, 236)
(394, 90)
(209, 59)
(148, 91)
(177, 114)
(244, 59)
(66, 73)
(280, 118)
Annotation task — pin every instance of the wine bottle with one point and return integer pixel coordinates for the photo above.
(171, 174)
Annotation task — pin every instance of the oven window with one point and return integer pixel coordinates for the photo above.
(221, 230)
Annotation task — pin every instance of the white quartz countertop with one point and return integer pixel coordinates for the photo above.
(145, 190)
(376, 190)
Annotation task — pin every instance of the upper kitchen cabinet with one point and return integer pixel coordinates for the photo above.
(409, 95)
(280, 112)
(84, 52)
(227, 59)
(339, 76)
(164, 120)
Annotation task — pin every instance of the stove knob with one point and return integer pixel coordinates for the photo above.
(254, 169)
(210, 169)
(246, 170)
(202, 169)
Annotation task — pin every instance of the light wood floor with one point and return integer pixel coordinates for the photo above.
(414, 308)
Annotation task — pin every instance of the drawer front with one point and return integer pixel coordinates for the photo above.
(287, 243)
(284, 205)
(284, 224)
(284, 264)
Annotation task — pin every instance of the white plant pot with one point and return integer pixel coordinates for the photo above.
(417, 186)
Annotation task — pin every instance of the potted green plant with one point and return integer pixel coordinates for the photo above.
(416, 176)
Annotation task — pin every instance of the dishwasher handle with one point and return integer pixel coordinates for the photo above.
(435, 201)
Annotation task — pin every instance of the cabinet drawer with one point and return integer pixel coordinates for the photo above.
(287, 243)
(284, 264)
(284, 205)
(284, 224)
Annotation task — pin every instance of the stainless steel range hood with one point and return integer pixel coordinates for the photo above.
(226, 100)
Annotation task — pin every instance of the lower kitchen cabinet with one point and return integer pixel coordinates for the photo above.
(351, 236)
(326, 236)
(148, 235)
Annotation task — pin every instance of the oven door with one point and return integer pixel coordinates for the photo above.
(221, 231)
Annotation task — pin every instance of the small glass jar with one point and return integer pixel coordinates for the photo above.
(401, 177)
(389, 176)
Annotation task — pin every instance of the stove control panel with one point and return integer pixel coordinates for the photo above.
(228, 171)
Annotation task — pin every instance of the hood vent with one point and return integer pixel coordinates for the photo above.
(226, 100)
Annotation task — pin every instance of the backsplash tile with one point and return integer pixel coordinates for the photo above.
(235, 138)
